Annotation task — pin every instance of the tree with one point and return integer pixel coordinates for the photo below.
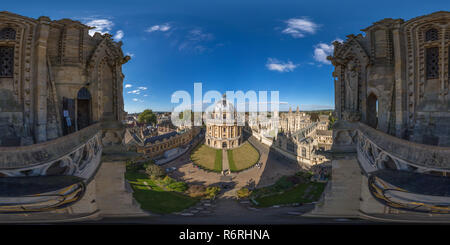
(154, 171)
(243, 193)
(211, 192)
(147, 116)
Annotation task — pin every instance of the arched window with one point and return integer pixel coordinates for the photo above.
(7, 34)
(6, 61)
(432, 63)
(431, 35)
(7, 53)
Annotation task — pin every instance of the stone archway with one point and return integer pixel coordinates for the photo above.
(372, 110)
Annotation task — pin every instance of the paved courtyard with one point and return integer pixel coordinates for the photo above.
(272, 168)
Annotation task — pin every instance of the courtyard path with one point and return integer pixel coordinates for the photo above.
(225, 164)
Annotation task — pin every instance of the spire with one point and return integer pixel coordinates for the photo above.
(290, 110)
(298, 109)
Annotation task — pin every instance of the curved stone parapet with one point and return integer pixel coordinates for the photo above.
(76, 154)
(377, 150)
(410, 191)
(39, 193)
(50, 175)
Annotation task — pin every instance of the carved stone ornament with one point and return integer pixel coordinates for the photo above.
(351, 115)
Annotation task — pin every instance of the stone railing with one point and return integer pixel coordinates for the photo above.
(378, 150)
(76, 154)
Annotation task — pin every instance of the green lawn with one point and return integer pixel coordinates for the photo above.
(302, 193)
(208, 158)
(153, 198)
(242, 157)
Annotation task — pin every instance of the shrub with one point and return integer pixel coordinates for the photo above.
(154, 171)
(132, 166)
(178, 186)
(145, 164)
(243, 193)
(166, 181)
(196, 190)
(283, 183)
(211, 192)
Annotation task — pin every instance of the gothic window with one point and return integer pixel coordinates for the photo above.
(431, 35)
(8, 34)
(6, 61)
(432, 62)
(290, 147)
(304, 152)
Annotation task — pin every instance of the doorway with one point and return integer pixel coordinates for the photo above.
(372, 111)
(83, 108)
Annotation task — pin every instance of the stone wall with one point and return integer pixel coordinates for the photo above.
(52, 61)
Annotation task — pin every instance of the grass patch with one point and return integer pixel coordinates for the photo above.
(242, 157)
(301, 193)
(218, 161)
(207, 158)
(231, 160)
(154, 198)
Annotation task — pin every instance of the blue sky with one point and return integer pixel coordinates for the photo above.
(227, 45)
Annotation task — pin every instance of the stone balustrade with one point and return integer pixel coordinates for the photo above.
(378, 150)
(76, 154)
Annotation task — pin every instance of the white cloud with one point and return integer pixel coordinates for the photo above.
(298, 27)
(323, 50)
(139, 90)
(119, 35)
(276, 65)
(198, 35)
(163, 28)
(136, 91)
(101, 25)
(130, 54)
(128, 85)
(196, 41)
(137, 100)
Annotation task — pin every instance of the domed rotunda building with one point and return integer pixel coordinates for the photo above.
(222, 130)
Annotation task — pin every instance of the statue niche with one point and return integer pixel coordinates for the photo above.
(351, 79)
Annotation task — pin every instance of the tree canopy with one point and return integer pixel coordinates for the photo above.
(147, 116)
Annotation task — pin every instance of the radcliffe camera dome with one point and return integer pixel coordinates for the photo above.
(222, 130)
(223, 109)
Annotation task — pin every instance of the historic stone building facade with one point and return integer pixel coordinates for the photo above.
(61, 108)
(291, 122)
(157, 145)
(391, 140)
(55, 79)
(306, 145)
(222, 130)
(295, 136)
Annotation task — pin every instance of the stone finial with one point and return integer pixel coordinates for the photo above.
(44, 19)
(125, 59)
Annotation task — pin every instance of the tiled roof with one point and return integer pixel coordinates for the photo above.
(153, 139)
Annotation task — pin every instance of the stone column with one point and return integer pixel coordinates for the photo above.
(41, 80)
(400, 92)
